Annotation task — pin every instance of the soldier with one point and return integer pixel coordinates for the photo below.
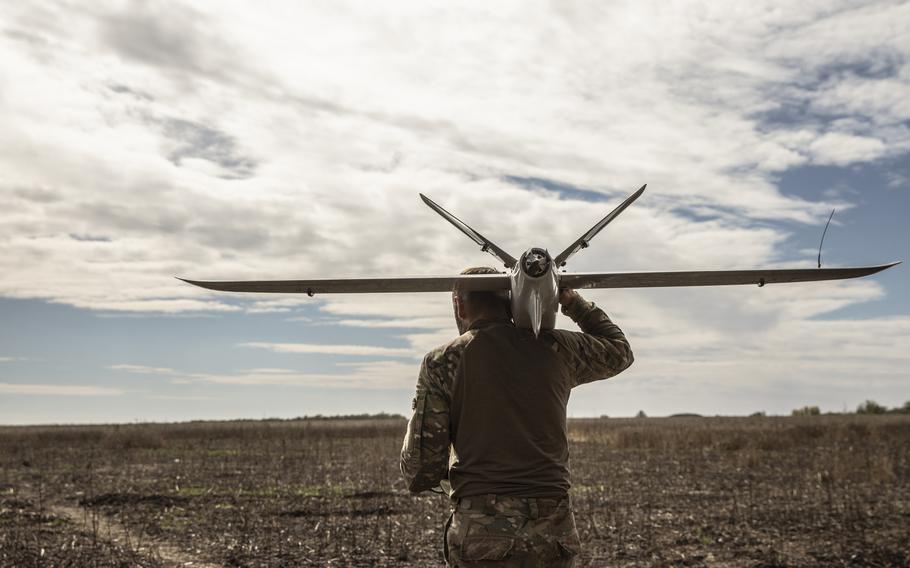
(497, 397)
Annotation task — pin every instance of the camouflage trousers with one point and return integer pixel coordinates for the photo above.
(511, 532)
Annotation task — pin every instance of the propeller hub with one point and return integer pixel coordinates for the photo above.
(536, 262)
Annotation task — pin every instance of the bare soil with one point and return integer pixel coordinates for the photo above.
(750, 492)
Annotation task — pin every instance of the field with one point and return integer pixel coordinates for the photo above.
(760, 492)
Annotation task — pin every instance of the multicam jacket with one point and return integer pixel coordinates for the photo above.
(496, 396)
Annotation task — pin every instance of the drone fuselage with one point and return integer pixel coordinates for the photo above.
(535, 290)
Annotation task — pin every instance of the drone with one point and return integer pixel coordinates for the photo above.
(534, 280)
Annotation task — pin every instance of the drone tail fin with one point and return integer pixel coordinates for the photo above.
(583, 240)
(486, 244)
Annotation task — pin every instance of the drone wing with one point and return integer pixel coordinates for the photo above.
(473, 282)
(713, 277)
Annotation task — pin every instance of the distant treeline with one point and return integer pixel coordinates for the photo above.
(868, 407)
(379, 416)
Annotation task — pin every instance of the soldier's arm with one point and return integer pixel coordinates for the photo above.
(425, 452)
(601, 350)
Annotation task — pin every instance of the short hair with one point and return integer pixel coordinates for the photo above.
(483, 299)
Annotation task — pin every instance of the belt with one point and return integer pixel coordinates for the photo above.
(531, 507)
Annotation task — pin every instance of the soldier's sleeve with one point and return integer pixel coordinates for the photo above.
(600, 350)
(425, 452)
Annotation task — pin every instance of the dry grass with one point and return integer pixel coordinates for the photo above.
(801, 491)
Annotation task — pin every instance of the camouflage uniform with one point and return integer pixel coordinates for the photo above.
(490, 530)
(511, 506)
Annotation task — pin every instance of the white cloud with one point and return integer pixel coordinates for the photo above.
(57, 390)
(280, 305)
(369, 374)
(431, 323)
(367, 350)
(841, 149)
(250, 145)
(184, 397)
(142, 369)
(113, 156)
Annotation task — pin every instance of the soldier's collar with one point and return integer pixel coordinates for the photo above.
(486, 322)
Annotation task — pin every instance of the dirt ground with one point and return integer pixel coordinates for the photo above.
(756, 492)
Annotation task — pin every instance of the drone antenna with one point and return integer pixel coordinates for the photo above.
(823, 238)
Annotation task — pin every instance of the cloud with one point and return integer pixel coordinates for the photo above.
(146, 141)
(57, 390)
(898, 181)
(280, 305)
(90, 238)
(162, 36)
(360, 350)
(429, 323)
(842, 149)
(184, 397)
(142, 369)
(156, 306)
(122, 176)
(199, 141)
(368, 374)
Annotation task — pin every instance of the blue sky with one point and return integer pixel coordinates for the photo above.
(144, 141)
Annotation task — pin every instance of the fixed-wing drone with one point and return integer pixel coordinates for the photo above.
(534, 279)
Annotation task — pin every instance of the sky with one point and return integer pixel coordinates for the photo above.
(147, 140)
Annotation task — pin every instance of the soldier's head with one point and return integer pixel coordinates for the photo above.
(470, 306)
